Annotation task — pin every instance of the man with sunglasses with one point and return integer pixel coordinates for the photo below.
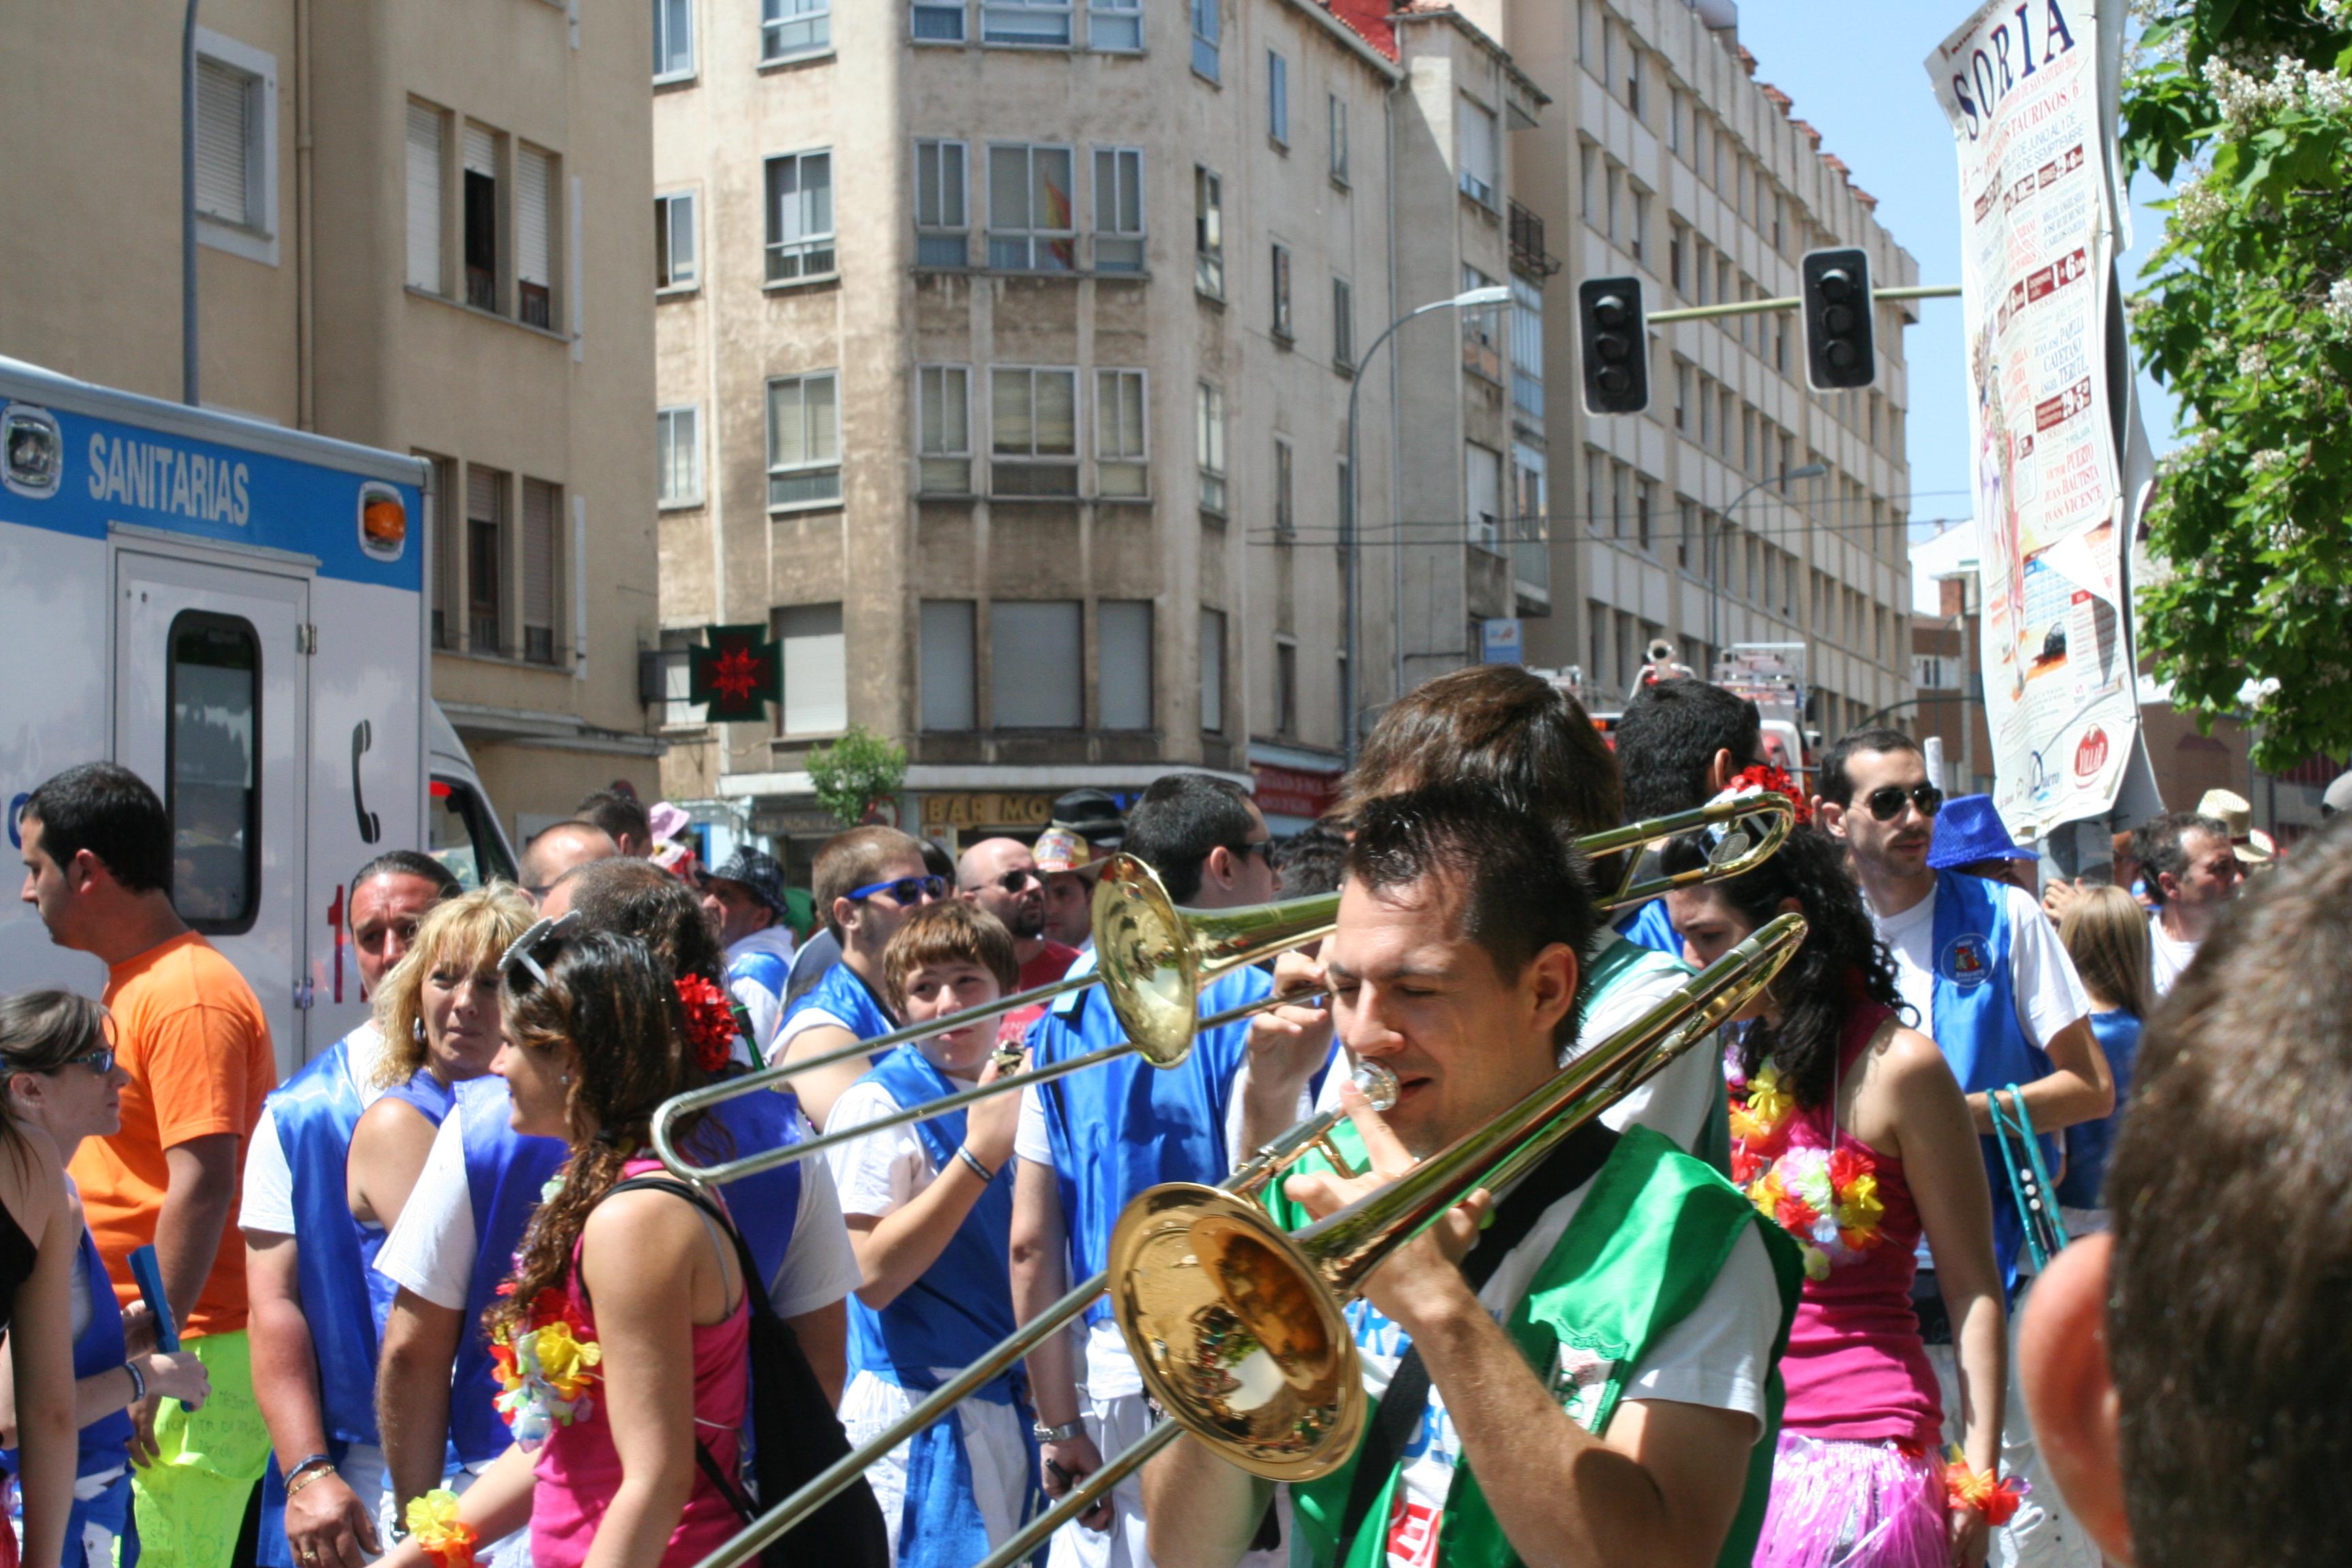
(1002, 877)
(1986, 974)
(867, 882)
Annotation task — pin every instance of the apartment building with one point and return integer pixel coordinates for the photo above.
(421, 228)
(1006, 350)
(1665, 157)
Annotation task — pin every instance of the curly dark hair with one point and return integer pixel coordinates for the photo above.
(637, 898)
(1842, 957)
(611, 998)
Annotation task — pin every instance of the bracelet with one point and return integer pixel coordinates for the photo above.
(1061, 1434)
(138, 1382)
(309, 1470)
(963, 1153)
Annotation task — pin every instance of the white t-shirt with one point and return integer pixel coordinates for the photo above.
(1720, 1355)
(432, 1246)
(2048, 993)
(885, 1171)
(2167, 957)
(269, 1203)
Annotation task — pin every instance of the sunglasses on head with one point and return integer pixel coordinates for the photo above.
(1885, 802)
(904, 890)
(520, 953)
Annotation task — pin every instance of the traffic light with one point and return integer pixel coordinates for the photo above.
(1616, 345)
(1836, 293)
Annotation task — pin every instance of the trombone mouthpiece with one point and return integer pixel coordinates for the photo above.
(1376, 1083)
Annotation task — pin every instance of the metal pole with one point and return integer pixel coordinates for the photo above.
(189, 360)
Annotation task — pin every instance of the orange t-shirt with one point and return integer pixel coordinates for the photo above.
(191, 1035)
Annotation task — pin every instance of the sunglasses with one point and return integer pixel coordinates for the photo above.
(1010, 882)
(520, 953)
(1885, 802)
(99, 1061)
(1258, 846)
(904, 890)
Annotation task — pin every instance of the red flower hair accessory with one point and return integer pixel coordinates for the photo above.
(1764, 778)
(709, 1021)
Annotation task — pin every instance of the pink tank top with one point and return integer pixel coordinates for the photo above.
(579, 1469)
(1855, 1368)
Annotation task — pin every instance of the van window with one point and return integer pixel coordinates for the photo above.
(213, 788)
(463, 839)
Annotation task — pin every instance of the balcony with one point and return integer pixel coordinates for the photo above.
(1528, 257)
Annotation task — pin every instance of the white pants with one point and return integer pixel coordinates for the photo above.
(2043, 1533)
(1114, 1425)
(993, 1437)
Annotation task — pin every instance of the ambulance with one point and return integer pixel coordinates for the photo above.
(237, 612)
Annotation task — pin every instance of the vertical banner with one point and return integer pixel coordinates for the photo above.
(2030, 92)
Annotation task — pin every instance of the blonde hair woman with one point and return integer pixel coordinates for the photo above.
(2106, 933)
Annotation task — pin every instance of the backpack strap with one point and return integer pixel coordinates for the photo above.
(754, 1288)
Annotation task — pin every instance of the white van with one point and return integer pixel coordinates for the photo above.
(236, 612)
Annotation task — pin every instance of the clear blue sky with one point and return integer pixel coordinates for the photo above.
(1855, 73)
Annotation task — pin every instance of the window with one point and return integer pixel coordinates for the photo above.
(938, 21)
(791, 28)
(1588, 160)
(1682, 397)
(950, 694)
(1286, 516)
(1479, 353)
(480, 150)
(1338, 138)
(1478, 152)
(943, 214)
(1043, 24)
(1123, 663)
(1207, 27)
(1633, 80)
(1208, 444)
(1527, 347)
(1639, 232)
(816, 670)
(486, 568)
(1286, 688)
(1281, 279)
(1617, 501)
(673, 40)
(1343, 323)
(1033, 431)
(803, 440)
(800, 216)
(1208, 232)
(1614, 183)
(1212, 672)
(1644, 500)
(1032, 221)
(674, 264)
(534, 242)
(229, 147)
(1115, 25)
(212, 788)
(1677, 105)
(543, 506)
(1597, 615)
(943, 428)
(677, 445)
(440, 489)
(1706, 413)
(1677, 250)
(424, 175)
(1118, 209)
(1482, 468)
(1595, 466)
(1277, 98)
(1037, 668)
(1121, 445)
(1687, 534)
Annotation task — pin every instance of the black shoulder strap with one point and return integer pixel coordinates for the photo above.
(1571, 1165)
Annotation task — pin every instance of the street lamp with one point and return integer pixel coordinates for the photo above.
(1468, 300)
(1715, 554)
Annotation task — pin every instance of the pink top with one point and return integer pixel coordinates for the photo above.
(579, 1471)
(1855, 1368)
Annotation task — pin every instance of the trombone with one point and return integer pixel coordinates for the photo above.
(1154, 959)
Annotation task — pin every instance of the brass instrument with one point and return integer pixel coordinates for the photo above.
(1154, 959)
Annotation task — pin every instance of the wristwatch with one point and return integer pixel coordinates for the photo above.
(1061, 1434)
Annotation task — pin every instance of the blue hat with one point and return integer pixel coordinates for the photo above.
(1967, 830)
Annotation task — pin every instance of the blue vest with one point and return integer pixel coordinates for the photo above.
(842, 995)
(1975, 1023)
(315, 1112)
(431, 1098)
(1649, 926)
(1128, 1125)
(2088, 1143)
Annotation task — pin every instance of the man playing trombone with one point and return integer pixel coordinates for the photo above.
(1594, 1381)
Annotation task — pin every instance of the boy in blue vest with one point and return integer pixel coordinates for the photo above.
(1591, 1379)
(867, 881)
(929, 1209)
(1090, 1142)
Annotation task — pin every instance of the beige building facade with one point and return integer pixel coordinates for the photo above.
(421, 228)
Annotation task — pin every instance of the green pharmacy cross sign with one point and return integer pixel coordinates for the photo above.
(736, 674)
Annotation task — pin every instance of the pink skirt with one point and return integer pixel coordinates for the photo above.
(1852, 1505)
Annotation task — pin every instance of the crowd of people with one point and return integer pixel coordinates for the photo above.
(435, 1299)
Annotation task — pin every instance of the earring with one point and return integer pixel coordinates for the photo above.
(566, 1081)
(417, 1028)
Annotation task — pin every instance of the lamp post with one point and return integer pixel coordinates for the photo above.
(1468, 300)
(1715, 555)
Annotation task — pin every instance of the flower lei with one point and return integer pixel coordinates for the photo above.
(709, 1021)
(433, 1525)
(1826, 1198)
(1967, 1488)
(546, 1370)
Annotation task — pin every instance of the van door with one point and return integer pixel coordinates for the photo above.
(211, 699)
